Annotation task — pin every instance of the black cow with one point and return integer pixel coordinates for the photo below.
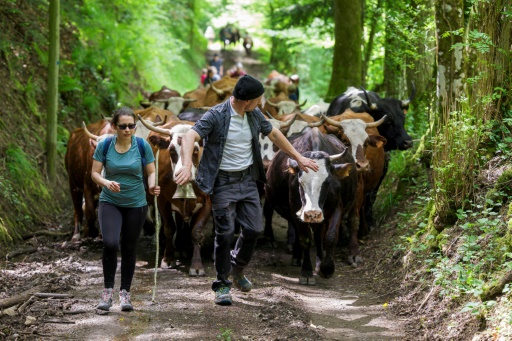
(316, 200)
(192, 114)
(392, 129)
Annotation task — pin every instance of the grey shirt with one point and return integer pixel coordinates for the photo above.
(237, 153)
(213, 128)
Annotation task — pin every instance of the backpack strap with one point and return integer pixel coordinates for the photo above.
(108, 141)
(140, 145)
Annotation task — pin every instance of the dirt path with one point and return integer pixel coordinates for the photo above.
(352, 305)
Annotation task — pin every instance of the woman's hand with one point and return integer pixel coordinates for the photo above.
(154, 190)
(113, 186)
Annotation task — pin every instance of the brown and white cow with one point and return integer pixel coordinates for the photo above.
(78, 162)
(219, 91)
(359, 131)
(194, 207)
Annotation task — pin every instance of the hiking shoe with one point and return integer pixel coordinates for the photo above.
(124, 300)
(106, 299)
(222, 296)
(242, 283)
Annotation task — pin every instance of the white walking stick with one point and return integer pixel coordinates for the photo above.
(157, 222)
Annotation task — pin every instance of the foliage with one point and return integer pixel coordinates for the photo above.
(225, 334)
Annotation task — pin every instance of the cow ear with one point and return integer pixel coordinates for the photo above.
(293, 166)
(343, 169)
(376, 141)
(158, 119)
(159, 142)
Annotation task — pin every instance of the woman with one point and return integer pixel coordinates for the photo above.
(123, 207)
(211, 76)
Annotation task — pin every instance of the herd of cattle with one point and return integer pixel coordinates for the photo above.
(348, 138)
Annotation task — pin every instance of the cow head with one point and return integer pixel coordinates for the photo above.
(266, 146)
(352, 132)
(175, 132)
(173, 104)
(95, 139)
(219, 91)
(285, 107)
(314, 187)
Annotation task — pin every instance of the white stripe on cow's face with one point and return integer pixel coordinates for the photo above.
(311, 184)
(177, 132)
(355, 130)
(286, 107)
(356, 101)
(296, 127)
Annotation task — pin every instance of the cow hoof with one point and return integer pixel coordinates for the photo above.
(295, 262)
(165, 265)
(75, 238)
(354, 261)
(307, 280)
(196, 272)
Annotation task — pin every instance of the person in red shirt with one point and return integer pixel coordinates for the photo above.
(238, 71)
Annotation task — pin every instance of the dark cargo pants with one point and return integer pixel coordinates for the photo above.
(235, 197)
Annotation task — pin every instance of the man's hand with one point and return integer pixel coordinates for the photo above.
(305, 163)
(183, 175)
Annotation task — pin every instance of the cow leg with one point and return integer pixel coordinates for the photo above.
(354, 257)
(330, 241)
(183, 241)
(297, 247)
(90, 229)
(306, 274)
(169, 259)
(199, 222)
(77, 197)
(268, 233)
(371, 196)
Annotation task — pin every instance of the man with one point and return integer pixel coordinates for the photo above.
(238, 71)
(217, 62)
(295, 81)
(229, 168)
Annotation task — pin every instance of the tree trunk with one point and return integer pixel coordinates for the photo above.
(369, 45)
(394, 58)
(53, 91)
(347, 59)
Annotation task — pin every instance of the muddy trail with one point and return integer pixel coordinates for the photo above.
(352, 305)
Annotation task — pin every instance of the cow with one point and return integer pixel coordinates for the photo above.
(360, 101)
(192, 114)
(316, 200)
(248, 44)
(359, 131)
(188, 201)
(198, 94)
(275, 84)
(167, 99)
(318, 109)
(278, 106)
(78, 161)
(219, 91)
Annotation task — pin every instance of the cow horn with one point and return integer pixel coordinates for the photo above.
(287, 123)
(188, 100)
(331, 121)
(205, 108)
(405, 103)
(333, 158)
(376, 124)
(371, 105)
(272, 104)
(161, 100)
(217, 91)
(301, 105)
(316, 124)
(92, 136)
(151, 127)
(156, 124)
(270, 115)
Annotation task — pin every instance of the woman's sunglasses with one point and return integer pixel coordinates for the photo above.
(123, 126)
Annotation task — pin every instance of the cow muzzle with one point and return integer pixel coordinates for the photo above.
(406, 145)
(313, 216)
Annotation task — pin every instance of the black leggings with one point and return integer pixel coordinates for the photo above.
(115, 221)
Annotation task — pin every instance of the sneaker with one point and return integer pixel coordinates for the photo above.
(242, 283)
(222, 296)
(124, 300)
(106, 299)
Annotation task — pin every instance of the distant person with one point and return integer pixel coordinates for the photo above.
(204, 74)
(211, 76)
(295, 81)
(123, 206)
(217, 62)
(209, 34)
(238, 71)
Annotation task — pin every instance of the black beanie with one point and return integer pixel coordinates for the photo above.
(248, 88)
